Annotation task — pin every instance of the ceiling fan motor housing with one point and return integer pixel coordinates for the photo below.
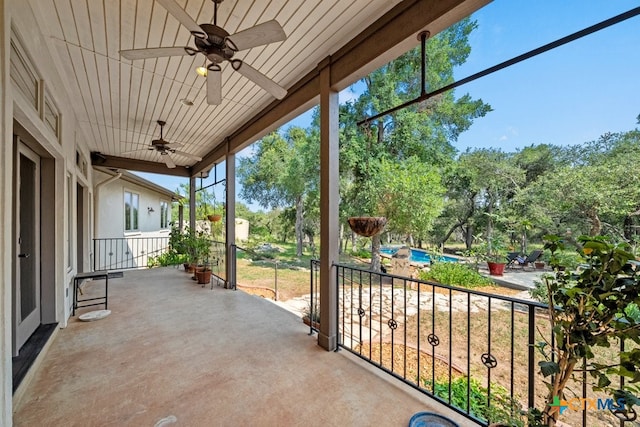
(214, 46)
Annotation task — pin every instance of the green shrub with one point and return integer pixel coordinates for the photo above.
(360, 253)
(503, 408)
(455, 274)
(166, 259)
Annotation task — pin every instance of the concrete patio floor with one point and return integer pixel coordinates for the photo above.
(174, 353)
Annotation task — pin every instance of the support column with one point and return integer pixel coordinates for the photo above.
(230, 224)
(329, 196)
(192, 204)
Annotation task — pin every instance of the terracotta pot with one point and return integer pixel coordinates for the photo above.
(195, 269)
(204, 276)
(367, 226)
(214, 217)
(496, 268)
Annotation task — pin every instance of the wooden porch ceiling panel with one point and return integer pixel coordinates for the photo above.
(117, 101)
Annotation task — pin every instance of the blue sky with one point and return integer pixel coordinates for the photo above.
(569, 95)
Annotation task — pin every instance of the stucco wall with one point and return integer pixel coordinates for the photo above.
(110, 209)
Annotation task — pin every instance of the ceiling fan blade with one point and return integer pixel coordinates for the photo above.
(261, 34)
(168, 160)
(260, 79)
(173, 145)
(214, 87)
(190, 156)
(174, 9)
(133, 151)
(154, 52)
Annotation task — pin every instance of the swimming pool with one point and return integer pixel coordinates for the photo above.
(418, 256)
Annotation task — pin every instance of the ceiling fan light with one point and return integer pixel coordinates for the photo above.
(202, 71)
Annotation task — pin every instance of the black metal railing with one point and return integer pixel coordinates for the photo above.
(119, 253)
(258, 257)
(472, 351)
(312, 312)
(217, 261)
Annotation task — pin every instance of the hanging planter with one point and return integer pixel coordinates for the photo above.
(214, 217)
(367, 226)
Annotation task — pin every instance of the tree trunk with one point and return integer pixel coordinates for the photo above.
(489, 226)
(375, 253)
(596, 225)
(342, 247)
(299, 234)
(468, 237)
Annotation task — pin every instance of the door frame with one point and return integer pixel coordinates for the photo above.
(19, 334)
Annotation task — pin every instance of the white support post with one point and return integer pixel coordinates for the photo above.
(192, 204)
(329, 197)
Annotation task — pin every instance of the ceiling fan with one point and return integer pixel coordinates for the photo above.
(165, 149)
(218, 46)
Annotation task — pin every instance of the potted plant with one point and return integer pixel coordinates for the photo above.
(178, 244)
(198, 248)
(598, 307)
(214, 217)
(495, 255)
(204, 274)
(201, 253)
(367, 226)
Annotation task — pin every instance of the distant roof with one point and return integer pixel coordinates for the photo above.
(135, 179)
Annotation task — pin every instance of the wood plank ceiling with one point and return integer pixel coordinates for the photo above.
(118, 101)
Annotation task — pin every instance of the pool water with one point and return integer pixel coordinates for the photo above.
(418, 255)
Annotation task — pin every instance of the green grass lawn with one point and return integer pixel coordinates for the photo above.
(293, 272)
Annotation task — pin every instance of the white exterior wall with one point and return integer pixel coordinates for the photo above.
(110, 205)
(116, 248)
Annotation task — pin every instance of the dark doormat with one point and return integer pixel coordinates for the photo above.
(29, 352)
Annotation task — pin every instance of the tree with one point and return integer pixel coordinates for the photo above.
(410, 195)
(279, 175)
(205, 203)
(482, 184)
(597, 190)
(425, 131)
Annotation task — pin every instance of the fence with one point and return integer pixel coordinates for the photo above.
(470, 350)
(121, 253)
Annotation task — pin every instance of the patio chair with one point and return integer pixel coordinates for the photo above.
(512, 259)
(531, 258)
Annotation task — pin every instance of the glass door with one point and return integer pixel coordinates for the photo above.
(27, 285)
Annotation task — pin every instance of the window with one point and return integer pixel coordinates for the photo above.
(164, 214)
(131, 211)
